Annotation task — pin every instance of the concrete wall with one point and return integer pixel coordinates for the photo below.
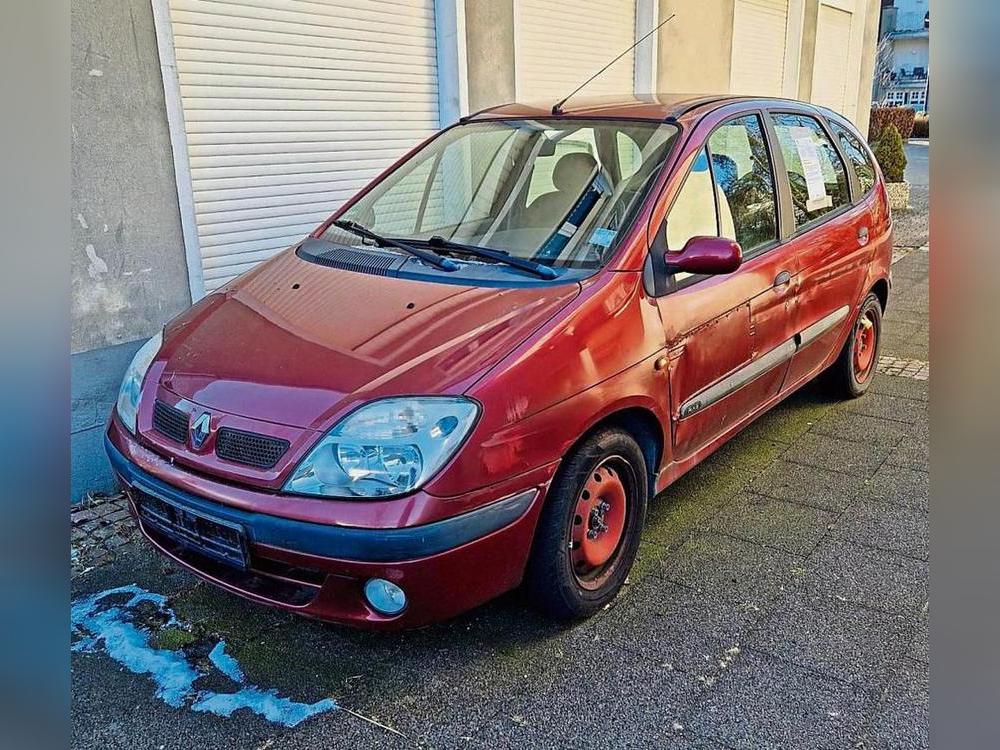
(129, 273)
(127, 263)
(695, 49)
(489, 30)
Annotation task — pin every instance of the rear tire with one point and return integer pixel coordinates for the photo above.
(589, 530)
(853, 372)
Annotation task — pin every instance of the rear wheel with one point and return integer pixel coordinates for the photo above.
(589, 530)
(852, 374)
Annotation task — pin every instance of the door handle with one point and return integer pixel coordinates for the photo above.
(863, 236)
(782, 279)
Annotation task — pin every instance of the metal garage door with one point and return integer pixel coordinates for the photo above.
(760, 30)
(830, 73)
(290, 106)
(559, 45)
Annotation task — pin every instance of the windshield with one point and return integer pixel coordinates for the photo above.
(555, 191)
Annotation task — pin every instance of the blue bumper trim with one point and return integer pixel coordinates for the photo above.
(342, 542)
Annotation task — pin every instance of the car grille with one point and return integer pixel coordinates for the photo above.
(170, 422)
(250, 449)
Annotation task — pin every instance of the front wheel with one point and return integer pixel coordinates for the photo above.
(855, 368)
(588, 533)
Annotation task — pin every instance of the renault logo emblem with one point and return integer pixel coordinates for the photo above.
(200, 430)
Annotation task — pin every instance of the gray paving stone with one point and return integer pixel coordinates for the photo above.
(911, 453)
(599, 702)
(839, 639)
(884, 406)
(918, 390)
(835, 454)
(810, 485)
(920, 646)
(899, 485)
(860, 428)
(764, 702)
(783, 525)
(673, 625)
(867, 576)
(886, 526)
(902, 721)
(732, 569)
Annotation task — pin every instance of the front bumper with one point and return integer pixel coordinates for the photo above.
(445, 567)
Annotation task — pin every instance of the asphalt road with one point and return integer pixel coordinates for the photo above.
(917, 163)
(780, 600)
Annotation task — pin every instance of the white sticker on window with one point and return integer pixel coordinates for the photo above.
(812, 169)
(567, 229)
(602, 237)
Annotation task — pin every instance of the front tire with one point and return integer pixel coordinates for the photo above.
(589, 530)
(853, 372)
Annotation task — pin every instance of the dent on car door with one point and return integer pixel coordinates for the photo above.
(830, 239)
(718, 329)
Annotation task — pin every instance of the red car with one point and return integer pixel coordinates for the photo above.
(480, 369)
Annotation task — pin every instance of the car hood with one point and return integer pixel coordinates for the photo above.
(296, 343)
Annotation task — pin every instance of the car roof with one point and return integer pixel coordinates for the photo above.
(658, 107)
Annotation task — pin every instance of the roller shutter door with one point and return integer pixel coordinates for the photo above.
(291, 106)
(759, 40)
(830, 72)
(559, 45)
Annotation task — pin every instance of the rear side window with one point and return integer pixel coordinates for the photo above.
(816, 174)
(857, 155)
(747, 204)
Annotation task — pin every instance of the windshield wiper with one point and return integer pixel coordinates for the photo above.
(539, 269)
(430, 257)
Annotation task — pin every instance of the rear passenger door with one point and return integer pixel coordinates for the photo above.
(829, 237)
(729, 337)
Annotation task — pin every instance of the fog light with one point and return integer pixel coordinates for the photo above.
(385, 597)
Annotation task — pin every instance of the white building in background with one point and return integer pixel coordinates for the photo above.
(903, 67)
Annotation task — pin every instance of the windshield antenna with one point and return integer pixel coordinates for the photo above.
(557, 107)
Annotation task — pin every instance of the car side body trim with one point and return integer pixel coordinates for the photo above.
(763, 364)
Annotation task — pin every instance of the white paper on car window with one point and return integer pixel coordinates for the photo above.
(812, 169)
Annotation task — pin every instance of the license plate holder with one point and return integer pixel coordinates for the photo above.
(223, 541)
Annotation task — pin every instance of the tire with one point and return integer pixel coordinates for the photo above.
(856, 366)
(580, 559)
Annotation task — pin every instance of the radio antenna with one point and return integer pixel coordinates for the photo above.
(557, 107)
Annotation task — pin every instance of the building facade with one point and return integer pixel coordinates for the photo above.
(208, 136)
(903, 56)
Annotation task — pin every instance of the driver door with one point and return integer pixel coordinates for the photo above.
(729, 337)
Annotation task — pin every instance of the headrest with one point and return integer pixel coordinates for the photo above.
(572, 171)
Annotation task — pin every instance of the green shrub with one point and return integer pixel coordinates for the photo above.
(889, 153)
(901, 117)
(922, 127)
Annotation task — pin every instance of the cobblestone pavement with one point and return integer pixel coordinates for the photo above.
(780, 599)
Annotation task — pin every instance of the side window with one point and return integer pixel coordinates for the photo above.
(816, 174)
(863, 166)
(748, 210)
(693, 212)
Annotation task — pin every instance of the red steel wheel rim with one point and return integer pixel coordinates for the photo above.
(865, 333)
(598, 523)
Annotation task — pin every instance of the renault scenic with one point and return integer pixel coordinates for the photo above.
(476, 374)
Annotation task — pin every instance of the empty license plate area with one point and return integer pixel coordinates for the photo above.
(220, 540)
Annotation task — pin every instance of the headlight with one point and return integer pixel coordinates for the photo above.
(128, 394)
(388, 447)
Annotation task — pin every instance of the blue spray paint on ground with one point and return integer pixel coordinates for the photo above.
(104, 621)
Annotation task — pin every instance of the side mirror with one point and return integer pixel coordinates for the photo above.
(706, 255)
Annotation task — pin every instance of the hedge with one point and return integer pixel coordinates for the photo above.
(922, 127)
(901, 117)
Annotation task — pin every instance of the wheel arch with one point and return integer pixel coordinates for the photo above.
(640, 422)
(881, 290)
